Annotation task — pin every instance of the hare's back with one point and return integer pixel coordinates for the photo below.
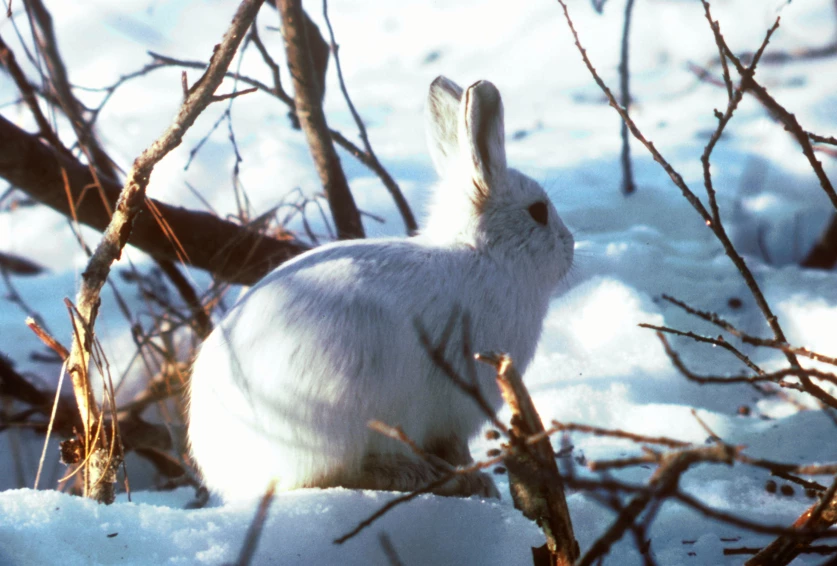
(403, 276)
(347, 308)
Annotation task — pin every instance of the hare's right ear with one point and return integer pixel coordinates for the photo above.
(441, 122)
(482, 136)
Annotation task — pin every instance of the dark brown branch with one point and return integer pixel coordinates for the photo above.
(254, 531)
(202, 322)
(775, 377)
(628, 185)
(716, 228)
(715, 319)
(277, 89)
(59, 84)
(7, 57)
(719, 341)
(573, 427)
(310, 112)
(830, 140)
(436, 352)
(748, 83)
(231, 252)
(676, 178)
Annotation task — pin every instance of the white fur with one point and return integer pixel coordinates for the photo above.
(285, 385)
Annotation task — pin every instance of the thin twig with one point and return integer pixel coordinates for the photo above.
(47, 339)
(29, 97)
(51, 423)
(663, 483)
(719, 341)
(383, 174)
(254, 531)
(775, 376)
(574, 427)
(720, 322)
(749, 84)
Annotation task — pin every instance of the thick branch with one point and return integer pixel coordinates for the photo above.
(544, 500)
(60, 86)
(312, 119)
(231, 252)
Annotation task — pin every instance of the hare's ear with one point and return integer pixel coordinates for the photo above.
(482, 135)
(441, 122)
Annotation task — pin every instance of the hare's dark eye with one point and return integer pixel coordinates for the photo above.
(539, 212)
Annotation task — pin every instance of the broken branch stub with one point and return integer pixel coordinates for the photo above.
(536, 485)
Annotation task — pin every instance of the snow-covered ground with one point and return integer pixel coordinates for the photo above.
(594, 364)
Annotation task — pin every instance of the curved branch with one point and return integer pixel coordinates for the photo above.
(234, 253)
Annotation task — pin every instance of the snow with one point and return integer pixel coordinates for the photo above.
(594, 364)
(37, 526)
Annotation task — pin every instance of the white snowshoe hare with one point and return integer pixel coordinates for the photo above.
(285, 385)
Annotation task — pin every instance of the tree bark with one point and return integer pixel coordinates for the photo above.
(537, 488)
(231, 252)
(309, 110)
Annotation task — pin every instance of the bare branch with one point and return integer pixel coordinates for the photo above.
(254, 531)
(573, 427)
(310, 112)
(719, 341)
(718, 321)
(277, 91)
(748, 83)
(7, 57)
(663, 483)
(543, 500)
(131, 200)
(59, 83)
(628, 185)
(239, 254)
(775, 376)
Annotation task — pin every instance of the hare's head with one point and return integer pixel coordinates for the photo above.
(482, 202)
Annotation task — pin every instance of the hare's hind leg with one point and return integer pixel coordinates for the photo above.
(394, 472)
(401, 472)
(454, 451)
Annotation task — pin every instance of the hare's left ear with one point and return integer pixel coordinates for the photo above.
(482, 135)
(441, 122)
